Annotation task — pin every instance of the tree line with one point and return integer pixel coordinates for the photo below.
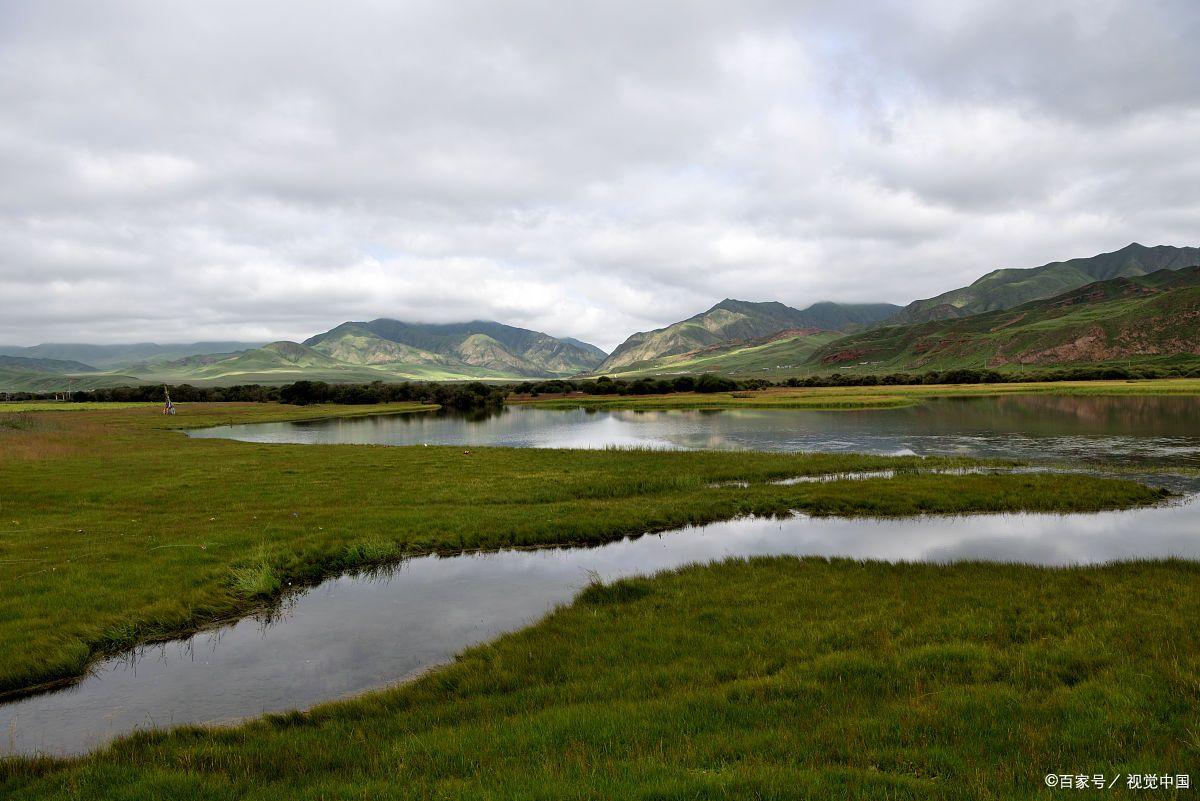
(469, 395)
(473, 395)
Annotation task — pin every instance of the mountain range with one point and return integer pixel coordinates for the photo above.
(1005, 288)
(478, 348)
(1143, 320)
(735, 322)
(1135, 305)
(109, 356)
(378, 350)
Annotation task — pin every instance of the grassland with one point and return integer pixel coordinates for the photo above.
(16, 380)
(877, 397)
(767, 679)
(777, 357)
(115, 529)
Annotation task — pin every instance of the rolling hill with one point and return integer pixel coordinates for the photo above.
(354, 352)
(1129, 320)
(1136, 306)
(107, 357)
(45, 365)
(284, 362)
(475, 349)
(287, 357)
(1006, 288)
(733, 324)
(22, 374)
(17, 380)
(780, 354)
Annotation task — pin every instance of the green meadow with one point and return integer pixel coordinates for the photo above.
(116, 529)
(768, 679)
(772, 678)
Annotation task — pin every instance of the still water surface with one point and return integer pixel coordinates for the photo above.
(354, 633)
(1129, 430)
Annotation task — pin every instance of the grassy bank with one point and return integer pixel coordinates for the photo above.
(877, 397)
(774, 678)
(116, 530)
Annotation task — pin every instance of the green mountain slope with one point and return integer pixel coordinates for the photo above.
(828, 316)
(1150, 319)
(111, 356)
(587, 347)
(1003, 289)
(732, 323)
(273, 363)
(781, 354)
(17, 380)
(479, 348)
(45, 365)
(381, 350)
(355, 345)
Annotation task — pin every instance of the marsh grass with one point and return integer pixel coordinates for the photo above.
(597, 593)
(372, 551)
(778, 678)
(20, 421)
(115, 530)
(255, 581)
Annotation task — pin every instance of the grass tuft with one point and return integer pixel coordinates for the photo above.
(21, 421)
(372, 552)
(255, 581)
(597, 593)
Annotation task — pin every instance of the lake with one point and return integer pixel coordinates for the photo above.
(355, 633)
(1162, 430)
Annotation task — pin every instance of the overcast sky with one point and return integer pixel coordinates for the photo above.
(174, 171)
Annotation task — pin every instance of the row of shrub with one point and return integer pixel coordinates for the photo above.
(470, 395)
(710, 382)
(478, 395)
(985, 376)
(707, 382)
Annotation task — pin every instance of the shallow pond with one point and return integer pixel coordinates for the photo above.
(354, 633)
(1162, 430)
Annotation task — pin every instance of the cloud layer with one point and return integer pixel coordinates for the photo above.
(267, 170)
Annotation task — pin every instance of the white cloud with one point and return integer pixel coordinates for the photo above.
(227, 170)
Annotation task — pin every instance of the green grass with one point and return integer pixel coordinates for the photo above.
(779, 357)
(18, 380)
(115, 530)
(764, 679)
(68, 406)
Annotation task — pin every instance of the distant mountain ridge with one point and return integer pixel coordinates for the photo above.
(479, 344)
(1142, 319)
(1138, 304)
(1005, 288)
(108, 356)
(732, 321)
(586, 346)
(45, 365)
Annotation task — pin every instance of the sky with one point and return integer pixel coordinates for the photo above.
(176, 171)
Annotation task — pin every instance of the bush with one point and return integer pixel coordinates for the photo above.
(711, 382)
